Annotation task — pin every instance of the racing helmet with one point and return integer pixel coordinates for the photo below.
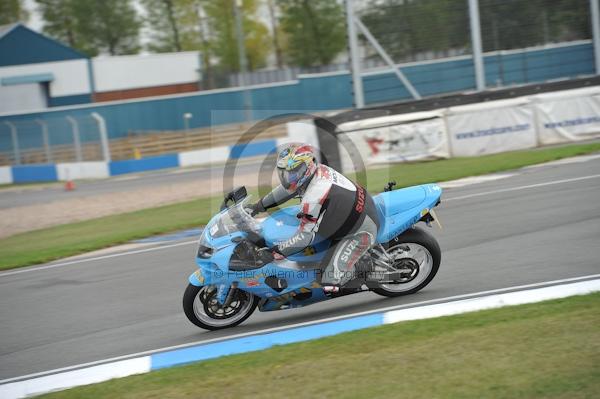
(296, 164)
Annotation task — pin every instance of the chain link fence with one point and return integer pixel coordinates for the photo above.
(434, 43)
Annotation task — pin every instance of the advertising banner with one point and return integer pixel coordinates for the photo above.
(393, 139)
(568, 116)
(491, 128)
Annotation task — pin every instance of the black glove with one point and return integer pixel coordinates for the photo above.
(254, 209)
(265, 255)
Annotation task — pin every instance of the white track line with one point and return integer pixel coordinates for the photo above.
(504, 190)
(306, 323)
(57, 265)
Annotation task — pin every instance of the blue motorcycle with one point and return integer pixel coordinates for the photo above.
(236, 274)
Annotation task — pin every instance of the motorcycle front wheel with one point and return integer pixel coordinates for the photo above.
(201, 307)
(417, 254)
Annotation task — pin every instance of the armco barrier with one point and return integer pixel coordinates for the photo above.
(61, 379)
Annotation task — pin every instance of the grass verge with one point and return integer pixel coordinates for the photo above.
(58, 242)
(544, 350)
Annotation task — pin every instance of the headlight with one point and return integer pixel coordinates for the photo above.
(204, 251)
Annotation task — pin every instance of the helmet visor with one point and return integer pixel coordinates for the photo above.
(290, 178)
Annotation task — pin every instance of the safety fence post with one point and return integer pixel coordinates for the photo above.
(15, 141)
(103, 135)
(476, 43)
(76, 139)
(46, 139)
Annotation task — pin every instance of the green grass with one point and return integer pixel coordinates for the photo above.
(544, 350)
(71, 239)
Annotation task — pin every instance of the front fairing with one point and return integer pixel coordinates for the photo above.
(218, 241)
(213, 268)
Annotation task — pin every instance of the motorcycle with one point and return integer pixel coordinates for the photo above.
(236, 274)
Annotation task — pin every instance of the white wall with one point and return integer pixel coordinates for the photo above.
(136, 71)
(204, 156)
(70, 77)
(5, 175)
(82, 170)
(20, 97)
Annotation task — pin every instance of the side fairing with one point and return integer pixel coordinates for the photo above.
(283, 224)
(400, 209)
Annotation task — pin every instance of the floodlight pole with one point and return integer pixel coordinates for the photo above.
(357, 86)
(476, 44)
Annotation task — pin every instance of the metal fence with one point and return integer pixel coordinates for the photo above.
(487, 31)
(50, 140)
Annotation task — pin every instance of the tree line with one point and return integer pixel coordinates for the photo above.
(294, 32)
(298, 32)
(408, 28)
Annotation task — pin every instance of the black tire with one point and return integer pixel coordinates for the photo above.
(423, 238)
(189, 296)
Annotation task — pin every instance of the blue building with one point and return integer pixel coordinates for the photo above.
(37, 72)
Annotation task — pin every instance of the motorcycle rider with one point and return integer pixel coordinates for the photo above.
(332, 207)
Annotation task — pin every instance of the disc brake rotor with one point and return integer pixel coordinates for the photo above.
(214, 309)
(408, 268)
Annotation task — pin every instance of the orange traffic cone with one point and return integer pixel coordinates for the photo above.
(69, 185)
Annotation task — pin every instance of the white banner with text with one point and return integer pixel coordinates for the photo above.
(568, 116)
(391, 139)
(490, 128)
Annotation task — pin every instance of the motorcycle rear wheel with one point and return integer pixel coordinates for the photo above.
(414, 250)
(201, 308)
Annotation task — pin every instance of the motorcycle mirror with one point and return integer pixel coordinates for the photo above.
(238, 194)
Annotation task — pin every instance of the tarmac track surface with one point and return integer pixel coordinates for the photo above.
(42, 194)
(541, 225)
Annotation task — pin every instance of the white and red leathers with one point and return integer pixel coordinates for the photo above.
(332, 208)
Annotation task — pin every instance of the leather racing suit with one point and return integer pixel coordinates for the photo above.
(332, 208)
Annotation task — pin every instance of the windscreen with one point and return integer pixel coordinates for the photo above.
(233, 219)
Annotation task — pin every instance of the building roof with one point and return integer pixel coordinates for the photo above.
(20, 45)
(4, 29)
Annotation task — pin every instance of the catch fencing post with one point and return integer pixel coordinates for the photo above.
(76, 140)
(476, 43)
(103, 135)
(239, 31)
(357, 86)
(595, 15)
(388, 60)
(15, 141)
(46, 139)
